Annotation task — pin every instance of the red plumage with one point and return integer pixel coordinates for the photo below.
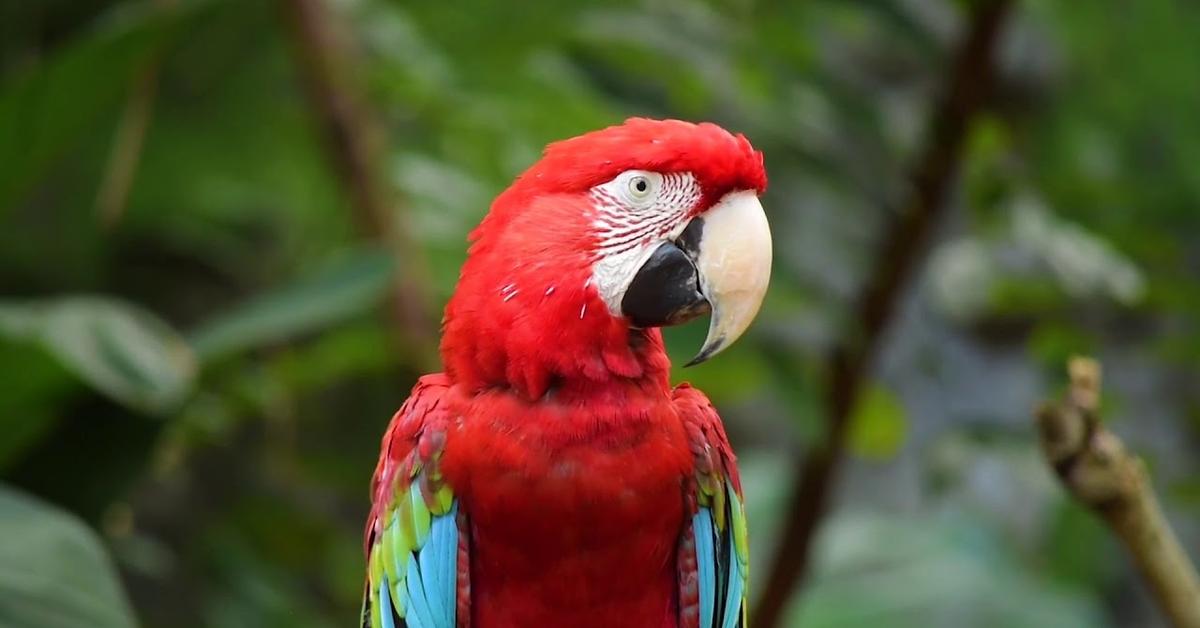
(573, 461)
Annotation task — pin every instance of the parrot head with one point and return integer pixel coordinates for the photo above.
(611, 235)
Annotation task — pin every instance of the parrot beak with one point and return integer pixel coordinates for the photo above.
(720, 263)
(734, 264)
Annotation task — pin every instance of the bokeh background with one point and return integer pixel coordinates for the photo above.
(227, 229)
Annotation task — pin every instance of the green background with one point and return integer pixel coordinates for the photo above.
(194, 376)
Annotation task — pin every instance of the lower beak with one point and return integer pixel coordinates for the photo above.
(720, 263)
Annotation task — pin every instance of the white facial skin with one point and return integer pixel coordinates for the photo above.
(638, 210)
(635, 212)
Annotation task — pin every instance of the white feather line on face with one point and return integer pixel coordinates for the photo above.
(629, 229)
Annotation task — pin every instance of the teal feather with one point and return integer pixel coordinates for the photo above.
(702, 529)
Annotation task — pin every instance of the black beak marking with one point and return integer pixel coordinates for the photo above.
(666, 289)
(689, 240)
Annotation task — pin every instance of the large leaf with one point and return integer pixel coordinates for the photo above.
(54, 573)
(354, 284)
(121, 350)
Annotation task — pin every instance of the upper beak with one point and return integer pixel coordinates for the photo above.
(720, 263)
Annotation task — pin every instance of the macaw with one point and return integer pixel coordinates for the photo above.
(550, 476)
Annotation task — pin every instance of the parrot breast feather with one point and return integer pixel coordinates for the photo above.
(714, 554)
(412, 538)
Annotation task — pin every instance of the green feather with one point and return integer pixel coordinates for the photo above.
(404, 524)
(387, 546)
(420, 515)
(395, 562)
(376, 617)
(445, 499)
(718, 509)
(375, 566)
(741, 541)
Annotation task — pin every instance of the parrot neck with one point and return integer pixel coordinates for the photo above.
(546, 337)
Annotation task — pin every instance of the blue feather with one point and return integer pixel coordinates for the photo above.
(733, 597)
(418, 614)
(702, 530)
(385, 604)
(437, 569)
(448, 564)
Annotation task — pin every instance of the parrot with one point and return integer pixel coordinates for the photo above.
(550, 475)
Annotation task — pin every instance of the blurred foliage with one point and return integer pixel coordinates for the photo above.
(955, 571)
(54, 571)
(877, 425)
(203, 375)
(125, 353)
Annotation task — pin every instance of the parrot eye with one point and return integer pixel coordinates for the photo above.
(641, 186)
(634, 190)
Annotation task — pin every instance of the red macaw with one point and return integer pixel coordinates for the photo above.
(551, 477)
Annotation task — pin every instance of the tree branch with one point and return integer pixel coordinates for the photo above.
(964, 93)
(354, 144)
(1094, 466)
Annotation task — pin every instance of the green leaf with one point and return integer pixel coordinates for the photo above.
(54, 572)
(353, 285)
(878, 425)
(119, 349)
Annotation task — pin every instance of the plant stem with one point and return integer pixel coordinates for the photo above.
(355, 145)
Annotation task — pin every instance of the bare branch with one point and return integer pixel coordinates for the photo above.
(354, 143)
(1094, 466)
(967, 85)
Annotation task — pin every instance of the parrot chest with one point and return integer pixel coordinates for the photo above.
(575, 515)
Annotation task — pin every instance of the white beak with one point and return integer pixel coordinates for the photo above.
(734, 264)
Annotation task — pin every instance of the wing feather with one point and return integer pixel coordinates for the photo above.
(412, 536)
(717, 534)
(705, 534)
(385, 605)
